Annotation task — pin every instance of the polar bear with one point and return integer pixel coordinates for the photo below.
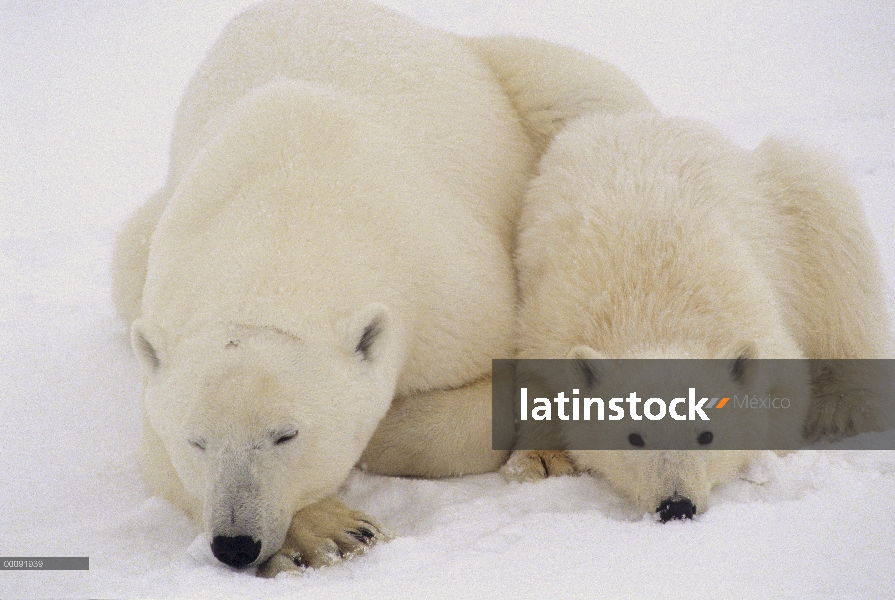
(650, 237)
(335, 232)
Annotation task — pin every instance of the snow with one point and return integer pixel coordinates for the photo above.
(88, 92)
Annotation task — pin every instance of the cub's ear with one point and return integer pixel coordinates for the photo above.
(585, 371)
(741, 361)
(148, 344)
(370, 332)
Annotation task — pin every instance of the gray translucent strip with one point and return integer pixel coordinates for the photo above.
(44, 563)
(734, 404)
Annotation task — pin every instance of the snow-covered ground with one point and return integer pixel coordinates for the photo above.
(87, 97)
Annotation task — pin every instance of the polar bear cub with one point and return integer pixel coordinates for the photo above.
(649, 237)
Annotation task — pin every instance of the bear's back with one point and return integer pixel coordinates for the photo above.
(441, 101)
(663, 233)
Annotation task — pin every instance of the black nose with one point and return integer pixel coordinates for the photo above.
(676, 507)
(236, 551)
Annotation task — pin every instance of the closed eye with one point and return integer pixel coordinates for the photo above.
(285, 437)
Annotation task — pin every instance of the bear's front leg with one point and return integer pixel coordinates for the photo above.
(322, 534)
(534, 465)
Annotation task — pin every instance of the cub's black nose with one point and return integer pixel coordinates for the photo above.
(237, 551)
(676, 507)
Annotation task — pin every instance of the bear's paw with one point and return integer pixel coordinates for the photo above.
(323, 534)
(534, 465)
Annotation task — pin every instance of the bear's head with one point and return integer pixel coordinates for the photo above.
(259, 422)
(668, 457)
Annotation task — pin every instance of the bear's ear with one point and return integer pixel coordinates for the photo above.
(583, 353)
(369, 332)
(741, 359)
(148, 345)
(583, 370)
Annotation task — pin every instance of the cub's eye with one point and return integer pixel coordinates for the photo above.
(635, 439)
(197, 443)
(284, 437)
(705, 438)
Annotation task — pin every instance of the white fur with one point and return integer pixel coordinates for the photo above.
(648, 237)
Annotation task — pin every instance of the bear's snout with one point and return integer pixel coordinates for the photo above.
(676, 508)
(237, 551)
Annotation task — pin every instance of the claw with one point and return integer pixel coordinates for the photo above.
(357, 535)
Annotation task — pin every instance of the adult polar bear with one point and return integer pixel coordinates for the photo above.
(649, 237)
(335, 231)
